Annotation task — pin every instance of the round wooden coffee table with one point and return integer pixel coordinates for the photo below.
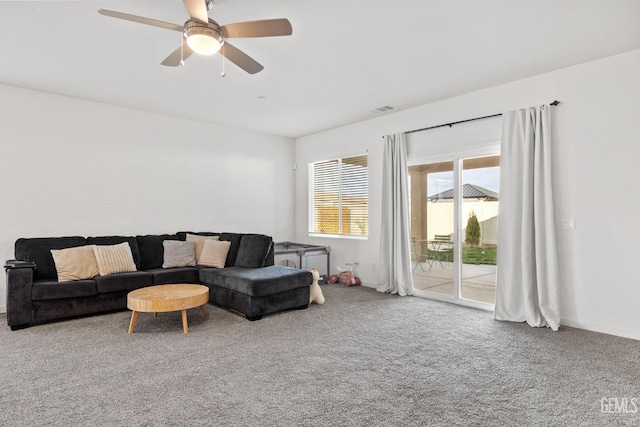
(161, 298)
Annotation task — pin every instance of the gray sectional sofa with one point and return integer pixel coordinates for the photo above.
(249, 284)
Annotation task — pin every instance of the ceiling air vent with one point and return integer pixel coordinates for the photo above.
(382, 109)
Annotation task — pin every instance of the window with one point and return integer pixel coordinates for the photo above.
(339, 197)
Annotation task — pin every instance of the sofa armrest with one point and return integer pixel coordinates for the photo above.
(19, 284)
(14, 263)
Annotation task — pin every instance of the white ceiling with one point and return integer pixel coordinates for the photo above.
(345, 57)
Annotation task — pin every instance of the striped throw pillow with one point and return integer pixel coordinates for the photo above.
(199, 241)
(114, 258)
(214, 253)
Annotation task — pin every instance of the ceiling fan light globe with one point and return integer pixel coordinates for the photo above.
(203, 39)
(203, 44)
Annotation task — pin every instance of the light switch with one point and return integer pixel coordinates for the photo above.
(568, 223)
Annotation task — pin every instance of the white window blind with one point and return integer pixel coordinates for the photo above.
(339, 196)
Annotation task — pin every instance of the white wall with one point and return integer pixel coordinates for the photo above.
(596, 155)
(73, 167)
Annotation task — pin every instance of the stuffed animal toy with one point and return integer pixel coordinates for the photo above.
(315, 293)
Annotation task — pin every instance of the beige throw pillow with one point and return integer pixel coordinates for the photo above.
(214, 253)
(114, 258)
(77, 263)
(199, 241)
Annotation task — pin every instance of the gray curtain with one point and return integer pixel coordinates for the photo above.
(527, 282)
(395, 251)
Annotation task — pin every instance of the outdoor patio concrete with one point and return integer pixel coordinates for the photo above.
(478, 281)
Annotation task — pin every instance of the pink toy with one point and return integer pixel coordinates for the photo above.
(346, 275)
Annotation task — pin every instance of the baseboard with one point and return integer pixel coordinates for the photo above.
(369, 285)
(3, 309)
(604, 329)
(365, 284)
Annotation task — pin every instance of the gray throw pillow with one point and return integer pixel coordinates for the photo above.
(179, 254)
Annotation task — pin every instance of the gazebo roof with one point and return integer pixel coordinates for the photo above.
(469, 191)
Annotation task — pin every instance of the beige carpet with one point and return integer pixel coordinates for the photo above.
(364, 358)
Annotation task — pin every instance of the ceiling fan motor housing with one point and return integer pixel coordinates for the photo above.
(198, 29)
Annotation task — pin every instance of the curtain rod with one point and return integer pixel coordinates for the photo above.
(554, 103)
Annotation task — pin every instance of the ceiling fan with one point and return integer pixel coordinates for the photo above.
(205, 36)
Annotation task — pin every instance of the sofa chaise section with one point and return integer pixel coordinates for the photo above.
(255, 292)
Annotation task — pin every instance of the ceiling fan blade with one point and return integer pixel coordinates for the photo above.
(263, 28)
(197, 9)
(180, 54)
(240, 58)
(141, 20)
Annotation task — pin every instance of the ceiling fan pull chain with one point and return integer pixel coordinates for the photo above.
(223, 61)
(182, 50)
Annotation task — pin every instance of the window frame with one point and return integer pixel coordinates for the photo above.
(311, 207)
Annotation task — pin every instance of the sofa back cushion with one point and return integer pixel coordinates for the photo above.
(152, 250)
(115, 240)
(271, 256)
(234, 238)
(253, 250)
(182, 235)
(38, 250)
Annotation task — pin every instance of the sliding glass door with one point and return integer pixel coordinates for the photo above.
(479, 228)
(454, 213)
(432, 220)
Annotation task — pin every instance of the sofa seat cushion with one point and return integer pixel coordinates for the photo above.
(124, 281)
(51, 289)
(257, 282)
(167, 276)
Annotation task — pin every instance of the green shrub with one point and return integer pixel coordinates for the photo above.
(472, 237)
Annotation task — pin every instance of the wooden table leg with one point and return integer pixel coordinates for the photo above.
(132, 324)
(185, 328)
(155, 314)
(202, 310)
